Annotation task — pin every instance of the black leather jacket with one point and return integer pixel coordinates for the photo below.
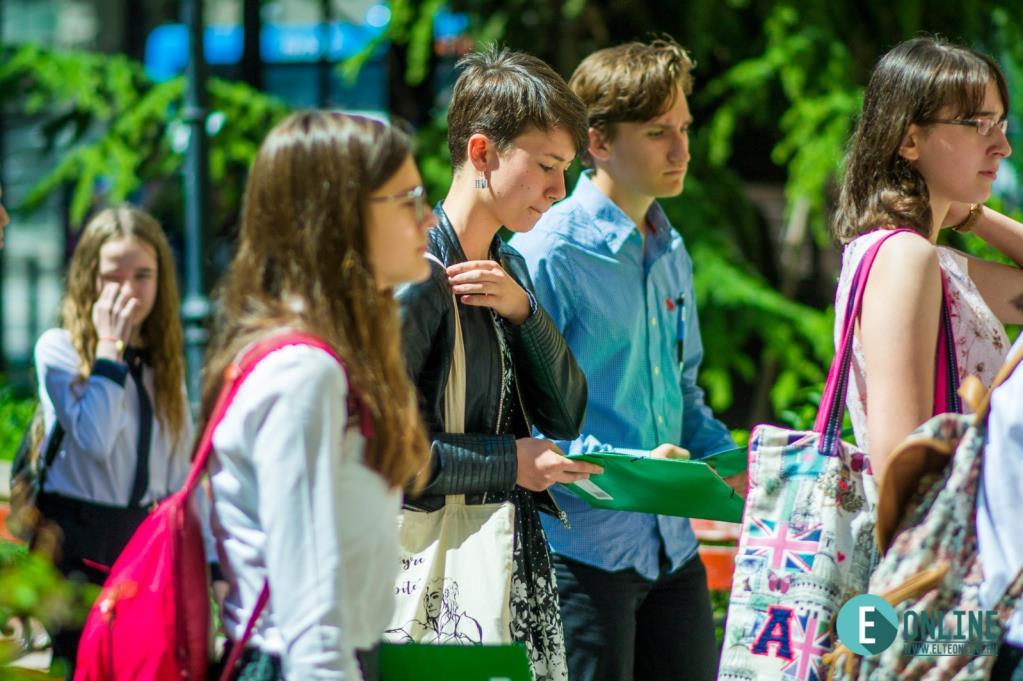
(551, 389)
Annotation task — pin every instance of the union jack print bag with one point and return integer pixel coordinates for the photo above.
(927, 530)
(807, 542)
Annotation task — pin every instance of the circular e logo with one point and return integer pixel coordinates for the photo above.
(867, 624)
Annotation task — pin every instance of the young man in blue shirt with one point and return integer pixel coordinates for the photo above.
(616, 278)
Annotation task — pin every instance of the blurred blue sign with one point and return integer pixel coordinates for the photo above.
(167, 46)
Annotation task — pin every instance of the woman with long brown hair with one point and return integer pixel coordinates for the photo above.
(111, 386)
(334, 217)
(924, 156)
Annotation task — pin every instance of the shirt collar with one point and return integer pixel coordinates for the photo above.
(615, 226)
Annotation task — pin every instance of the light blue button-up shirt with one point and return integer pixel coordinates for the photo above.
(623, 309)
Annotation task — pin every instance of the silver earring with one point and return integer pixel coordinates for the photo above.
(481, 181)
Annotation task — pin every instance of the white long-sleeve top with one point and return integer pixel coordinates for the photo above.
(1001, 487)
(294, 504)
(99, 452)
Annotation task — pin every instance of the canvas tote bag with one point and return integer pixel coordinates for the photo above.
(454, 582)
(807, 542)
(927, 527)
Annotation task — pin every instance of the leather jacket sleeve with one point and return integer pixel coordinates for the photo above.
(469, 463)
(472, 464)
(552, 384)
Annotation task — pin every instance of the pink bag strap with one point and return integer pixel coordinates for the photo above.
(946, 383)
(234, 376)
(946, 369)
(236, 650)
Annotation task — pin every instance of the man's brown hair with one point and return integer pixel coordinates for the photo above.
(503, 93)
(633, 82)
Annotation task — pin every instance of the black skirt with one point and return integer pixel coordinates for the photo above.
(91, 536)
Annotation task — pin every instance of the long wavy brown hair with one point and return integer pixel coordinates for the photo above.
(161, 333)
(302, 263)
(916, 81)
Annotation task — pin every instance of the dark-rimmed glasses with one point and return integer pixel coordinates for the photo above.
(984, 126)
(417, 195)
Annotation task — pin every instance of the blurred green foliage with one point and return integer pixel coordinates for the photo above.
(15, 416)
(778, 87)
(117, 125)
(31, 587)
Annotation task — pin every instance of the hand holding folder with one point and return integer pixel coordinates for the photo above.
(689, 489)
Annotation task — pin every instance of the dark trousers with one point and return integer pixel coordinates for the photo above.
(91, 534)
(620, 626)
(1008, 664)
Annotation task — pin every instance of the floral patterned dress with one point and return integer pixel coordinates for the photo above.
(980, 340)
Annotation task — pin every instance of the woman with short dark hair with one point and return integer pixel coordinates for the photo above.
(513, 129)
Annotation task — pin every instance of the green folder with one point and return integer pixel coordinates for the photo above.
(428, 662)
(688, 489)
(729, 462)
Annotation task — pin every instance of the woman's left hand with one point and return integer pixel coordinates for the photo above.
(484, 283)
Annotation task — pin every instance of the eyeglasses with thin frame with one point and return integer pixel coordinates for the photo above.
(984, 126)
(417, 195)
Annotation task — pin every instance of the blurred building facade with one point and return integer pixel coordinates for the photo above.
(301, 42)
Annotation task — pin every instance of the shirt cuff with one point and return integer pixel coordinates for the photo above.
(107, 368)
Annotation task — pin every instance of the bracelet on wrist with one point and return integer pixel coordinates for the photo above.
(970, 220)
(118, 343)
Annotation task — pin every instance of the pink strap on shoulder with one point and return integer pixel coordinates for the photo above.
(832, 407)
(234, 376)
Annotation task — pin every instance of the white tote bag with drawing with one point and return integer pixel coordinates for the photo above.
(454, 585)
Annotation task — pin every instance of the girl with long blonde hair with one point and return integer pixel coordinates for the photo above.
(111, 387)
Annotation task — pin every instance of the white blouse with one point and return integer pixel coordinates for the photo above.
(293, 503)
(998, 532)
(98, 455)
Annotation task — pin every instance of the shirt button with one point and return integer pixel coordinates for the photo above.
(653, 321)
(657, 371)
(660, 419)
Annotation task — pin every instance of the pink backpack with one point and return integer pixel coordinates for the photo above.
(151, 621)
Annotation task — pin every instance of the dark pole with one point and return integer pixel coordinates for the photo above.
(252, 59)
(325, 65)
(195, 306)
(3, 355)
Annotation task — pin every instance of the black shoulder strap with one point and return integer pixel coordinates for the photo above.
(52, 447)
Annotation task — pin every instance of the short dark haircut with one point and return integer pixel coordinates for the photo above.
(631, 83)
(502, 93)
